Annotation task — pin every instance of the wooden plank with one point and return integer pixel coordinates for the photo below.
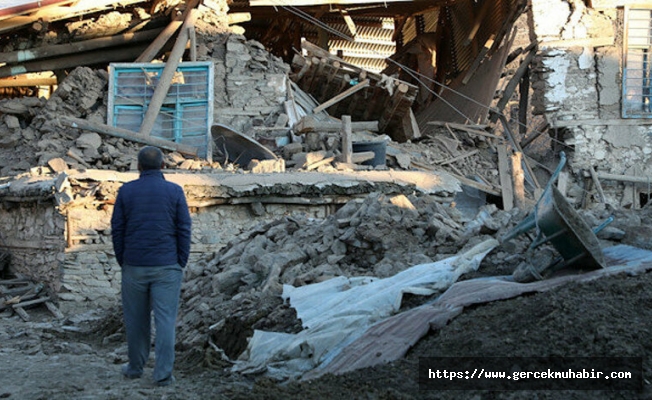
(155, 47)
(505, 178)
(586, 42)
(25, 81)
(467, 129)
(514, 82)
(296, 3)
(478, 59)
(56, 13)
(347, 141)
(126, 53)
(30, 302)
(519, 180)
(22, 313)
(601, 122)
(129, 135)
(518, 148)
(460, 157)
(598, 186)
(37, 53)
(349, 22)
(523, 102)
(624, 178)
(466, 181)
(192, 36)
(477, 22)
(235, 18)
(54, 310)
(310, 124)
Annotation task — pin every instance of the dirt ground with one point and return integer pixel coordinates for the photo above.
(48, 359)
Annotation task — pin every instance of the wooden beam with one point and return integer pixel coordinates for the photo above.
(13, 57)
(238, 18)
(165, 78)
(601, 122)
(587, 42)
(598, 186)
(296, 3)
(523, 102)
(466, 128)
(477, 22)
(460, 157)
(513, 83)
(348, 92)
(24, 81)
(192, 36)
(519, 180)
(310, 124)
(155, 47)
(505, 178)
(75, 60)
(625, 178)
(347, 140)
(51, 14)
(128, 135)
(464, 180)
(349, 22)
(478, 59)
(518, 149)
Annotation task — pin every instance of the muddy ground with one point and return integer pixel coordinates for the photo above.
(48, 359)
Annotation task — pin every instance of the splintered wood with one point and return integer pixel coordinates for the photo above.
(18, 294)
(344, 89)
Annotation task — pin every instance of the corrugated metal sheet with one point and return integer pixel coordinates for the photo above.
(460, 19)
(369, 64)
(430, 20)
(366, 34)
(366, 50)
(370, 46)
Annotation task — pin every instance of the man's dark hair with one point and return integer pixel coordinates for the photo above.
(150, 158)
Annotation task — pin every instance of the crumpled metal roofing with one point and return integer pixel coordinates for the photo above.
(391, 338)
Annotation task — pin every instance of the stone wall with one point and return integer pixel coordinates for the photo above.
(33, 232)
(250, 83)
(580, 82)
(90, 272)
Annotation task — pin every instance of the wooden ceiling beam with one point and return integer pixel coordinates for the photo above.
(57, 13)
(298, 3)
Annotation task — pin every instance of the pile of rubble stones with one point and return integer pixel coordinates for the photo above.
(238, 289)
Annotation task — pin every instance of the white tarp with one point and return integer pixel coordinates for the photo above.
(337, 311)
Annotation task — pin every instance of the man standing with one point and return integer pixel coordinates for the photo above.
(150, 228)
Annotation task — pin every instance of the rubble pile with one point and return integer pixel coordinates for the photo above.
(239, 289)
(251, 92)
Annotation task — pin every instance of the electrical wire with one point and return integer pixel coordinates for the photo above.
(418, 77)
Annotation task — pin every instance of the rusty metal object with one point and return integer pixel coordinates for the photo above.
(559, 224)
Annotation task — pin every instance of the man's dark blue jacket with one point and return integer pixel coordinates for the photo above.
(151, 224)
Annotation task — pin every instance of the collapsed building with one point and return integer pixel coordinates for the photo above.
(460, 102)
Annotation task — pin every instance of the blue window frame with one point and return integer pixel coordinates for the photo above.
(187, 112)
(637, 64)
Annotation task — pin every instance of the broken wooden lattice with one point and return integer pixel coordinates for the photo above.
(20, 293)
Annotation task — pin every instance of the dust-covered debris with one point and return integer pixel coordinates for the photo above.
(239, 289)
